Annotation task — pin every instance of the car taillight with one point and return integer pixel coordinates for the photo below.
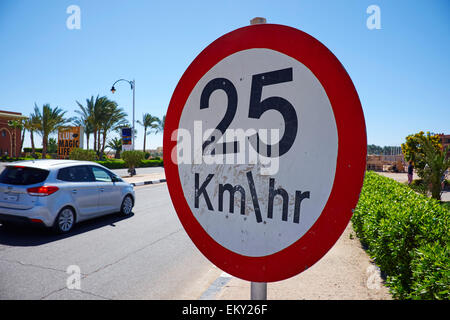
(42, 191)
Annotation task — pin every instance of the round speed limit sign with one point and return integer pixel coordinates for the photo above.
(264, 151)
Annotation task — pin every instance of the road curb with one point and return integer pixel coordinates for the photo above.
(142, 183)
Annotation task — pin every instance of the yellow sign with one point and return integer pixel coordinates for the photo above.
(68, 139)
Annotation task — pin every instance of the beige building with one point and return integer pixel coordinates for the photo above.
(386, 162)
(158, 152)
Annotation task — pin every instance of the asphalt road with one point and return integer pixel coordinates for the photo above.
(145, 256)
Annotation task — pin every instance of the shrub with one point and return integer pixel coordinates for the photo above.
(436, 165)
(419, 186)
(413, 148)
(151, 163)
(29, 150)
(407, 235)
(5, 158)
(81, 154)
(132, 158)
(120, 164)
(430, 272)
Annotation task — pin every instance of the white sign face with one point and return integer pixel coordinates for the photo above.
(274, 200)
(127, 147)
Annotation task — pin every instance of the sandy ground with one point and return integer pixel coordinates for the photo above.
(346, 272)
(400, 177)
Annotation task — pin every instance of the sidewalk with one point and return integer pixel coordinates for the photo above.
(144, 179)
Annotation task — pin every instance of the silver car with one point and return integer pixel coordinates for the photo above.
(60, 193)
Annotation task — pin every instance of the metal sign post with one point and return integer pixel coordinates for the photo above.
(258, 290)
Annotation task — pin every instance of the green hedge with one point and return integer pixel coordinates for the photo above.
(9, 159)
(407, 234)
(110, 164)
(29, 150)
(82, 154)
(120, 164)
(151, 163)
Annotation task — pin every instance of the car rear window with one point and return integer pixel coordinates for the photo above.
(22, 175)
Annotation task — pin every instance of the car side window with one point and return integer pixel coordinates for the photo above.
(101, 175)
(66, 174)
(75, 174)
(117, 178)
(83, 174)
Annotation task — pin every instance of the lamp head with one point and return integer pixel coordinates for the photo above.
(113, 89)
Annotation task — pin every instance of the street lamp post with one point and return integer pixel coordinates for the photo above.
(133, 86)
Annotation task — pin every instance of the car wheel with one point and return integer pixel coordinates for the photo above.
(127, 206)
(64, 221)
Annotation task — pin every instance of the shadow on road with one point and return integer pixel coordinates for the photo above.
(28, 236)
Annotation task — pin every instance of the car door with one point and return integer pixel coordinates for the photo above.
(109, 194)
(80, 183)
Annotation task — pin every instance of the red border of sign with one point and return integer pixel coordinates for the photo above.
(351, 158)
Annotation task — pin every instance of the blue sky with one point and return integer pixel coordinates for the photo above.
(401, 72)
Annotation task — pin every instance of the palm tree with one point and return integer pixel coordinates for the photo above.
(161, 124)
(99, 116)
(113, 118)
(87, 128)
(31, 124)
(48, 122)
(116, 145)
(148, 121)
(85, 119)
(436, 164)
(52, 146)
(90, 118)
(17, 124)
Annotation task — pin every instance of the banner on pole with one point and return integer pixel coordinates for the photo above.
(126, 139)
(68, 139)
